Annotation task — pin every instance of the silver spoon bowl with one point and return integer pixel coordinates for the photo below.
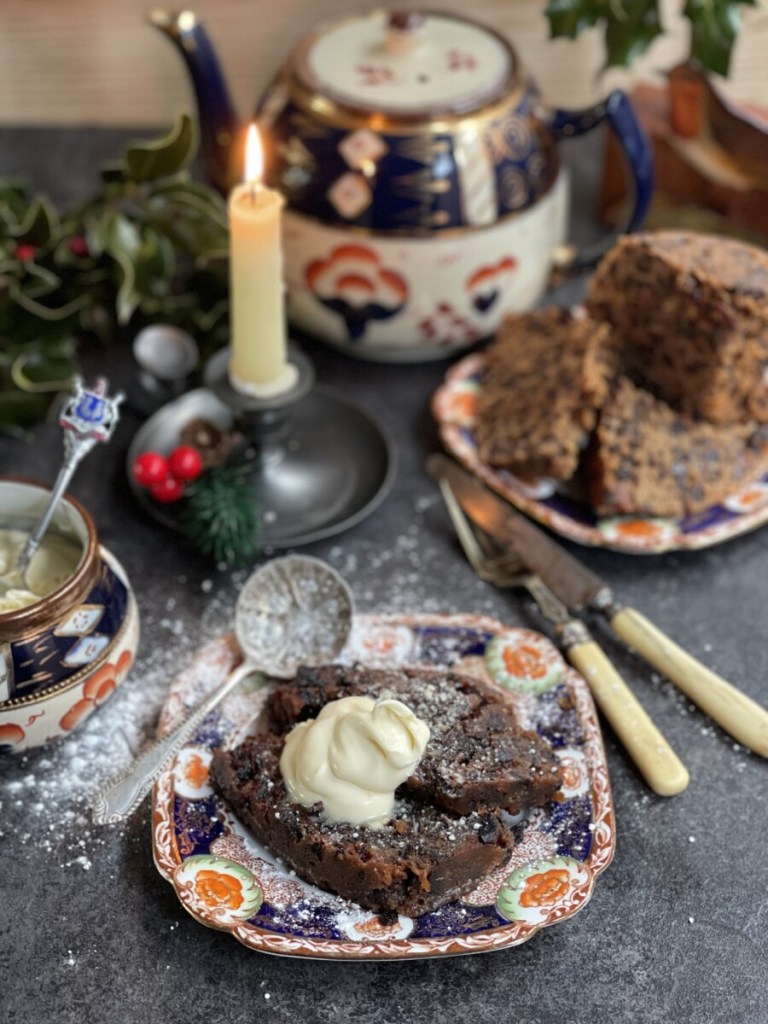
(292, 611)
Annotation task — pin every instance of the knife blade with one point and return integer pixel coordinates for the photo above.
(579, 588)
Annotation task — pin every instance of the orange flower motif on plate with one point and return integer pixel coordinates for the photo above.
(639, 533)
(217, 891)
(542, 891)
(381, 645)
(545, 889)
(458, 404)
(753, 497)
(574, 772)
(191, 773)
(524, 661)
(197, 772)
(361, 926)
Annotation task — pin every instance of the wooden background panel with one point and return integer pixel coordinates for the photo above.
(100, 62)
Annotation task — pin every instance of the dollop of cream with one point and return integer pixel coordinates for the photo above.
(52, 564)
(353, 756)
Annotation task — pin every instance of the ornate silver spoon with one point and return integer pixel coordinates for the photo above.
(88, 417)
(292, 611)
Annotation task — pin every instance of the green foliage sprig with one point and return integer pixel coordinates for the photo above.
(630, 26)
(150, 244)
(220, 515)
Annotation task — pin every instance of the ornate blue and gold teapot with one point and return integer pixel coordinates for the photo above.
(424, 192)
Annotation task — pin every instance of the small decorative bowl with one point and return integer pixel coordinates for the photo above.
(64, 655)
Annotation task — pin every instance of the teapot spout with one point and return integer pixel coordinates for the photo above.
(219, 123)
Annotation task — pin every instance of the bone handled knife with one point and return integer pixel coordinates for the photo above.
(654, 758)
(652, 755)
(579, 588)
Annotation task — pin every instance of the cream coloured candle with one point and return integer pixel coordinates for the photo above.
(258, 357)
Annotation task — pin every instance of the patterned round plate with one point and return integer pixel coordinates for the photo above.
(453, 406)
(226, 880)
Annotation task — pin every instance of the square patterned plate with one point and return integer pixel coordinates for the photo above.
(227, 881)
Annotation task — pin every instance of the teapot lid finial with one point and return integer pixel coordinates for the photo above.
(407, 64)
(405, 21)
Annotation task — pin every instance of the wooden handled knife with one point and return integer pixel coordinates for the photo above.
(579, 588)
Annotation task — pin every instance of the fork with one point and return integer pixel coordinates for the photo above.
(652, 755)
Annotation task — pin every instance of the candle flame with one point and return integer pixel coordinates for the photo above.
(254, 156)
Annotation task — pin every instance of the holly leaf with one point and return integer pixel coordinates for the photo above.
(13, 205)
(154, 265)
(40, 225)
(629, 36)
(569, 18)
(19, 410)
(629, 26)
(715, 25)
(44, 368)
(164, 157)
(192, 216)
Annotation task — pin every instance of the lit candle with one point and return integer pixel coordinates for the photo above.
(258, 361)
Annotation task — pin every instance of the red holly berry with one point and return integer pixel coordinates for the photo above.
(25, 251)
(167, 490)
(185, 463)
(150, 468)
(78, 246)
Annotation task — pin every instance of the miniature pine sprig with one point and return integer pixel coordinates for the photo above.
(221, 517)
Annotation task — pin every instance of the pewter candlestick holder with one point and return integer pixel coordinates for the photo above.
(320, 462)
(265, 421)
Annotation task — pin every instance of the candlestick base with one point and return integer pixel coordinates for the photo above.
(285, 382)
(320, 464)
(244, 398)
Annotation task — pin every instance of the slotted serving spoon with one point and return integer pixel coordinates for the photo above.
(292, 611)
(654, 758)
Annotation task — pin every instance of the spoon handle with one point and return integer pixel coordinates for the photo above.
(88, 416)
(122, 794)
(73, 456)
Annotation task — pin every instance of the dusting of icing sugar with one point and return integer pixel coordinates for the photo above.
(406, 575)
(45, 794)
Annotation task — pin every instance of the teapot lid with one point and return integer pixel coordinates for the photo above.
(406, 64)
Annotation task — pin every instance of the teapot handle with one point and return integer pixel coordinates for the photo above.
(617, 111)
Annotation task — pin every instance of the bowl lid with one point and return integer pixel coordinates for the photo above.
(406, 64)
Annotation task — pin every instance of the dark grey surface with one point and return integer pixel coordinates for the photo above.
(676, 928)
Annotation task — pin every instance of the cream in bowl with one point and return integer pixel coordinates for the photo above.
(53, 563)
(68, 629)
